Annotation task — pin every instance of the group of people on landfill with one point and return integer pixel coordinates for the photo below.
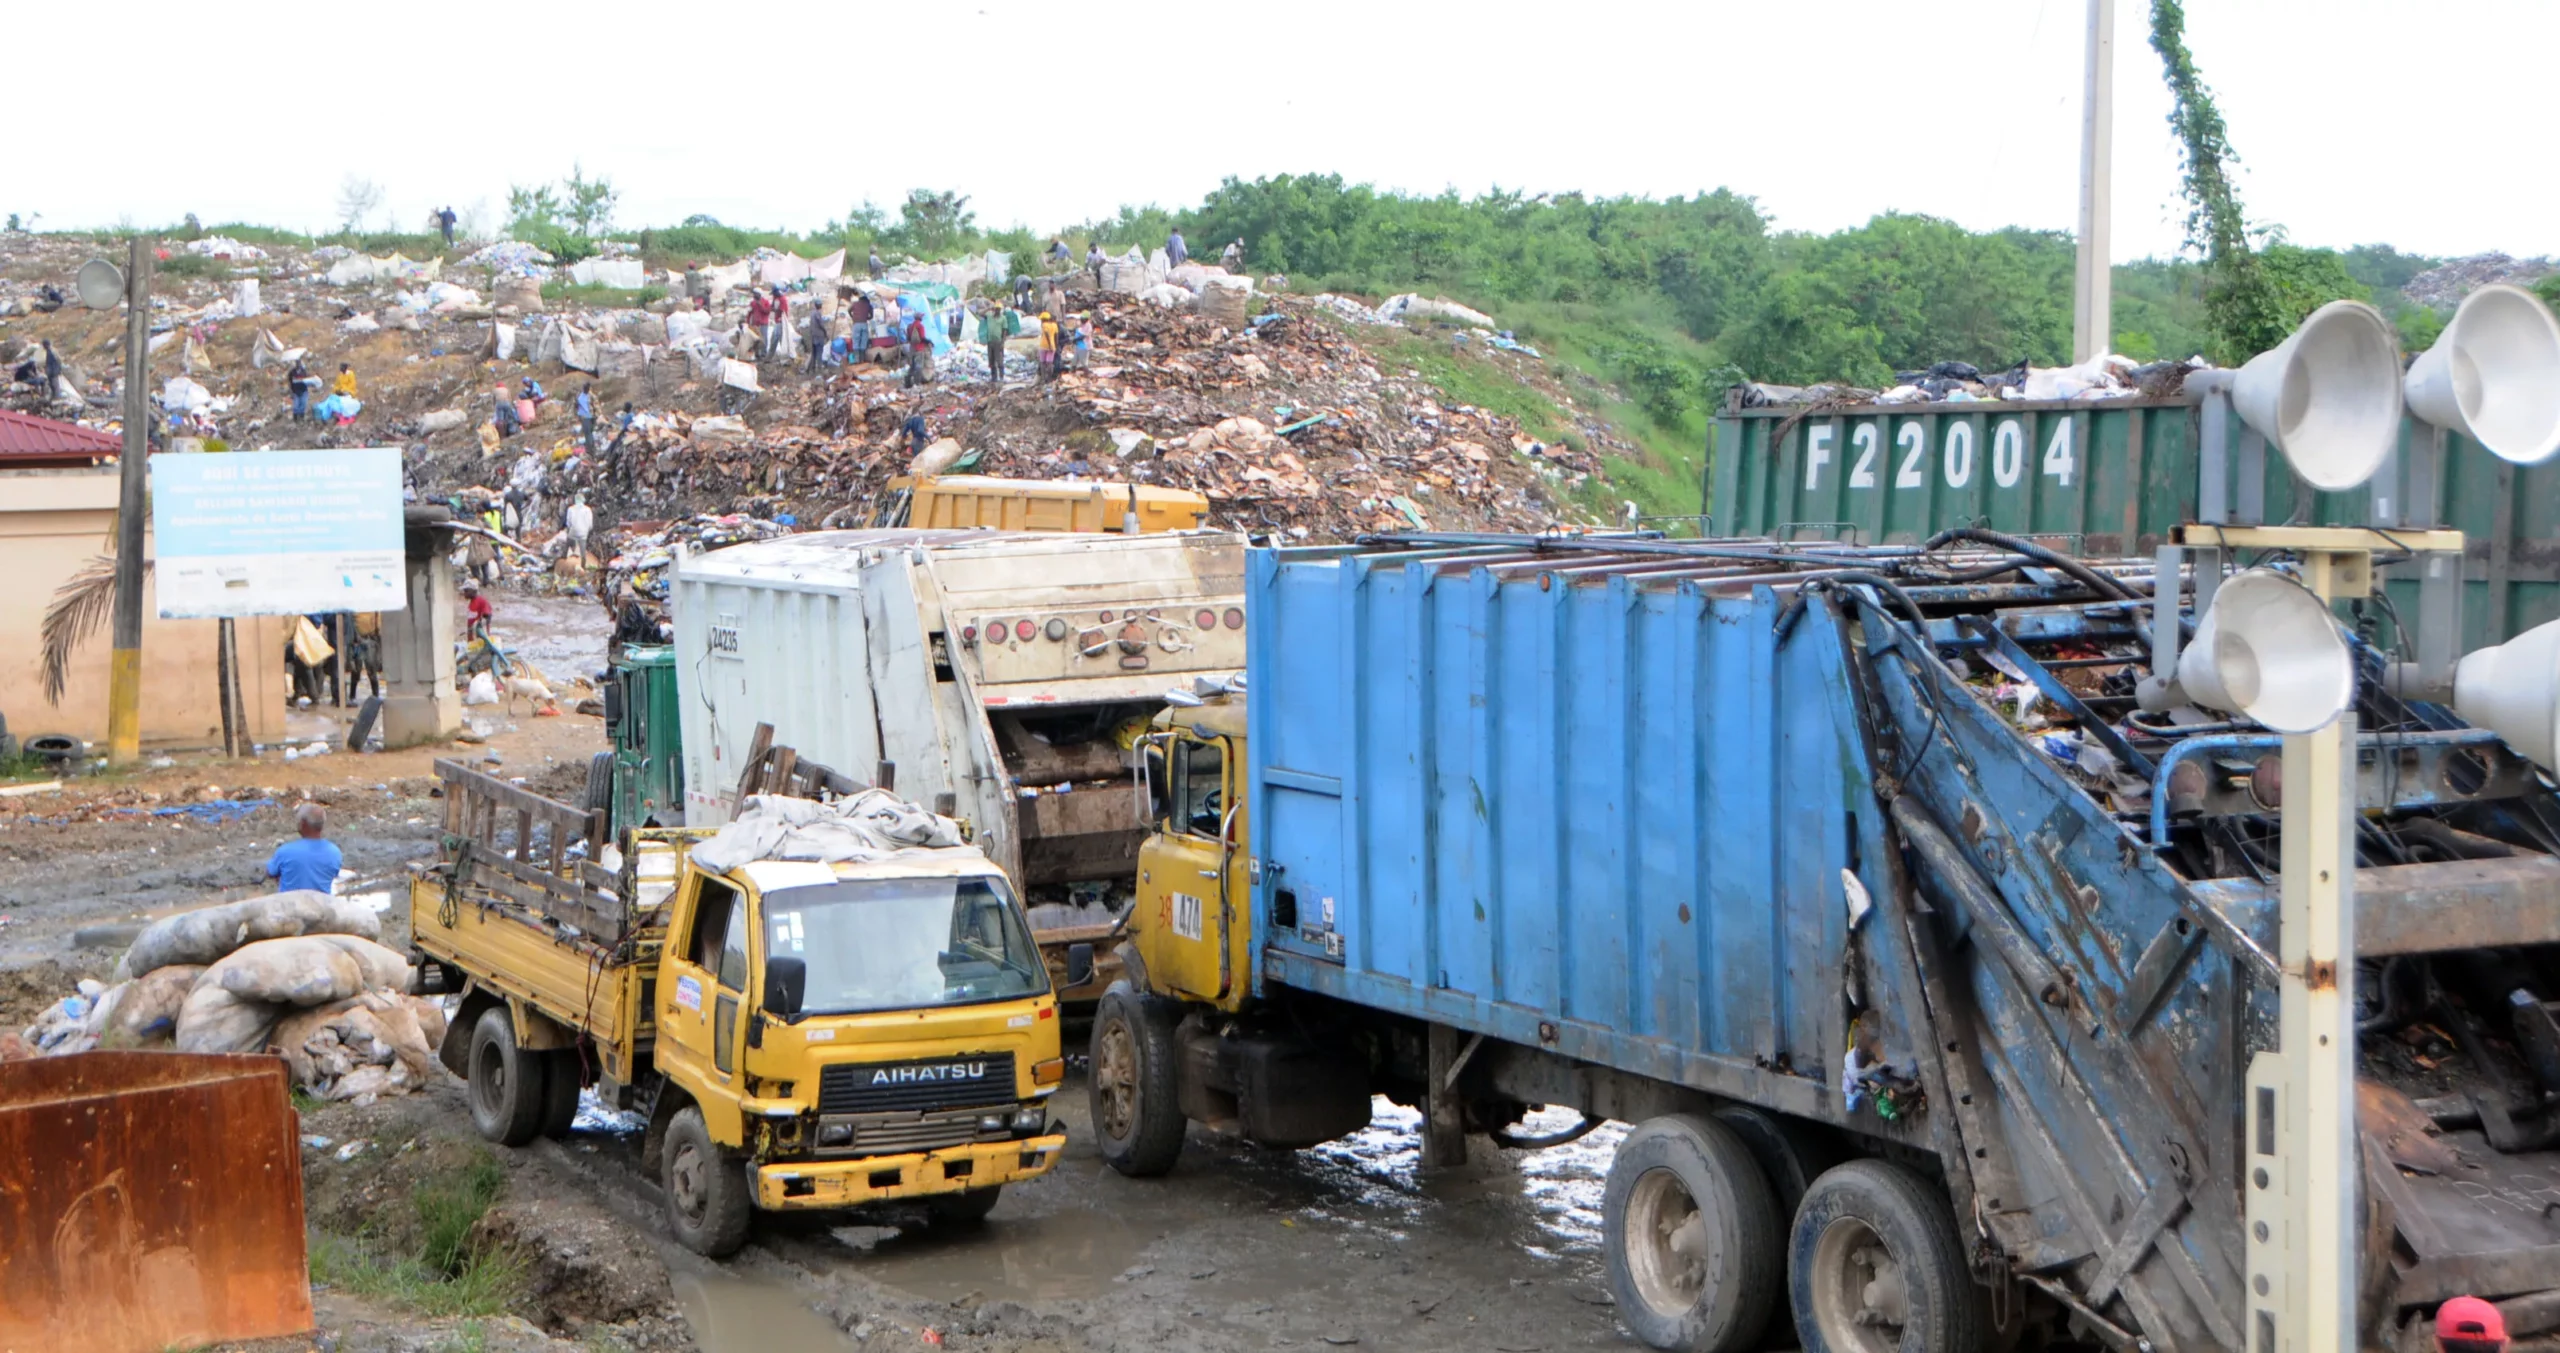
(341, 408)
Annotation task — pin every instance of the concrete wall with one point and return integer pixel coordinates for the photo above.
(52, 522)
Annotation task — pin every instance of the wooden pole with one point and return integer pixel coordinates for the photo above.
(124, 668)
(227, 680)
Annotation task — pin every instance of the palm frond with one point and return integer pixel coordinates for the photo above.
(84, 602)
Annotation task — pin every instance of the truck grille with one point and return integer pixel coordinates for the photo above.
(971, 1080)
(878, 1134)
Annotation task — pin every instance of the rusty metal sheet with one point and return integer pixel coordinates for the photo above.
(2431, 908)
(149, 1201)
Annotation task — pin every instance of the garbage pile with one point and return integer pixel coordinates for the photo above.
(2443, 287)
(2099, 378)
(299, 973)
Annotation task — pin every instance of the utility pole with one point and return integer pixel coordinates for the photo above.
(2092, 286)
(124, 668)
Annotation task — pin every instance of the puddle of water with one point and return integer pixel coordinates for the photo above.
(1377, 1170)
(734, 1314)
(595, 1116)
(1028, 1258)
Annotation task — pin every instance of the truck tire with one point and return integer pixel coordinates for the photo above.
(1137, 1111)
(1692, 1238)
(563, 1078)
(600, 783)
(962, 1209)
(707, 1201)
(1875, 1263)
(507, 1082)
(1791, 1154)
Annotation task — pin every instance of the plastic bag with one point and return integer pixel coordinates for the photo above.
(483, 690)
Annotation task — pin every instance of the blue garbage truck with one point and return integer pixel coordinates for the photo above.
(1925, 964)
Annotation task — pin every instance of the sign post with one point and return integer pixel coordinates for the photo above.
(278, 533)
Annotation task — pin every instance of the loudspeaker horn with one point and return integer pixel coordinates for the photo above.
(2329, 396)
(2271, 650)
(2494, 375)
(2513, 690)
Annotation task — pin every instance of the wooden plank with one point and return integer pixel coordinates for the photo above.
(756, 748)
(785, 761)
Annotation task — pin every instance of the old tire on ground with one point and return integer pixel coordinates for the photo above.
(1137, 1116)
(1875, 1266)
(1691, 1236)
(563, 1077)
(707, 1200)
(507, 1082)
(962, 1209)
(600, 783)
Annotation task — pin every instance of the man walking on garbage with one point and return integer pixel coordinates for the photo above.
(994, 327)
(857, 310)
(781, 323)
(877, 267)
(817, 334)
(919, 352)
(1175, 250)
(1093, 261)
(760, 320)
(587, 418)
(1057, 252)
(310, 861)
(1048, 346)
(917, 437)
(1232, 259)
(444, 222)
(299, 381)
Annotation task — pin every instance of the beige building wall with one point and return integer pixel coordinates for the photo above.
(52, 522)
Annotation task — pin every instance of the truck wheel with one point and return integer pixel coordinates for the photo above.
(507, 1083)
(600, 783)
(562, 1081)
(1791, 1155)
(1693, 1240)
(962, 1209)
(707, 1198)
(1875, 1266)
(1137, 1118)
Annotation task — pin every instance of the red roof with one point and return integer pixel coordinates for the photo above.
(27, 442)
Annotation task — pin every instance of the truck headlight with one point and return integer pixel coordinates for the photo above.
(835, 1134)
(991, 1123)
(1031, 1120)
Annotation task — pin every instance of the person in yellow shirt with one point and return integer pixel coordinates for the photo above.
(346, 382)
(1048, 346)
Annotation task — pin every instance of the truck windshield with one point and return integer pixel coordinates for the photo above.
(899, 944)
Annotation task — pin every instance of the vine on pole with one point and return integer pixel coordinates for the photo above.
(2242, 308)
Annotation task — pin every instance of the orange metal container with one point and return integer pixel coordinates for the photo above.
(148, 1201)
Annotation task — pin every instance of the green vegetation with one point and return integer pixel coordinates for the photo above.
(433, 1264)
(601, 296)
(192, 265)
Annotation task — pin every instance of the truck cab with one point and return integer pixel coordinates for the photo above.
(640, 783)
(857, 1032)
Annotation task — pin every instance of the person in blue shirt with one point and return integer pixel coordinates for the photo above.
(310, 862)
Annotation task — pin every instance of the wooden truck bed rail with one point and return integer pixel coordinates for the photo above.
(519, 845)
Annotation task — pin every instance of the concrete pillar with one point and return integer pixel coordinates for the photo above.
(419, 702)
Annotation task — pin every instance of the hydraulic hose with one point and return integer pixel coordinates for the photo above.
(1511, 1142)
(2093, 579)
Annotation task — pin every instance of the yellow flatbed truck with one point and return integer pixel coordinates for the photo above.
(798, 1035)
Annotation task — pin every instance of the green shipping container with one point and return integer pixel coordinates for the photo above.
(2107, 478)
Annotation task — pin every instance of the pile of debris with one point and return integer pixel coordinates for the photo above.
(298, 973)
(2099, 378)
(2443, 286)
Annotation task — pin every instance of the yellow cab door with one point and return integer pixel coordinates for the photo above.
(701, 1001)
(1190, 884)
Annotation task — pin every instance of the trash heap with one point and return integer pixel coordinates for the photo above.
(2443, 286)
(643, 551)
(301, 974)
(2099, 378)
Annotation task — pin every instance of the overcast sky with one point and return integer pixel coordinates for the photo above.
(2426, 126)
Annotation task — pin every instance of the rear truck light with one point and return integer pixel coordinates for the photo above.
(993, 1123)
(1048, 1012)
(1207, 620)
(968, 634)
(1106, 617)
(1031, 1121)
(1024, 629)
(1056, 629)
(1049, 1072)
(1235, 617)
(994, 630)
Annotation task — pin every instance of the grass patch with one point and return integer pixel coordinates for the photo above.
(21, 766)
(443, 1271)
(192, 265)
(601, 296)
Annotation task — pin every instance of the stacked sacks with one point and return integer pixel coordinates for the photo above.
(300, 972)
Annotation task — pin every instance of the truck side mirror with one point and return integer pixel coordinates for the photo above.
(612, 685)
(1079, 964)
(786, 983)
(1151, 783)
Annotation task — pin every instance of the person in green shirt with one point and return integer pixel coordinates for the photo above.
(994, 327)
